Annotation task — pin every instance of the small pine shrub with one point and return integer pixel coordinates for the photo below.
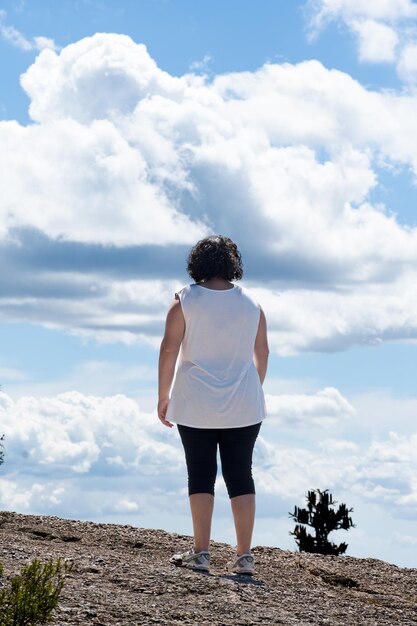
(321, 516)
(31, 597)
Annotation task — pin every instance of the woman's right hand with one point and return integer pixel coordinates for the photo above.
(162, 411)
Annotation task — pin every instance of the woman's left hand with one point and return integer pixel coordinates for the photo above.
(162, 411)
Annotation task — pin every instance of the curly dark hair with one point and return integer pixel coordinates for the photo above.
(215, 256)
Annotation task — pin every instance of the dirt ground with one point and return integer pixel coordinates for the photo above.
(122, 577)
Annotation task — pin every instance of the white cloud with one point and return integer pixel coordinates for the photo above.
(369, 457)
(18, 40)
(300, 319)
(138, 469)
(87, 456)
(324, 409)
(377, 41)
(14, 37)
(148, 139)
(42, 43)
(152, 159)
(202, 64)
(383, 411)
(107, 455)
(77, 434)
(83, 455)
(407, 65)
(389, 10)
(116, 70)
(17, 497)
(341, 465)
(398, 449)
(103, 190)
(100, 192)
(382, 28)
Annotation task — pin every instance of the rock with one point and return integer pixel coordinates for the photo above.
(122, 577)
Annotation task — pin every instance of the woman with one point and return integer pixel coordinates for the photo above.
(217, 397)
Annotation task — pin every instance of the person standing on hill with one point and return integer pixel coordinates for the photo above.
(217, 397)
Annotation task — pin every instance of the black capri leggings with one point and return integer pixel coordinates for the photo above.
(236, 448)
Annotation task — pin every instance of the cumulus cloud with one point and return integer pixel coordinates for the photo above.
(106, 194)
(89, 182)
(377, 41)
(77, 434)
(389, 10)
(131, 468)
(74, 454)
(383, 472)
(86, 185)
(16, 496)
(141, 156)
(79, 438)
(337, 320)
(99, 455)
(382, 28)
(323, 409)
(112, 68)
(407, 65)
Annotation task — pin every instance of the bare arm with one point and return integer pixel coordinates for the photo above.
(261, 349)
(168, 354)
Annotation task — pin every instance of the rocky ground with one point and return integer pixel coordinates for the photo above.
(122, 577)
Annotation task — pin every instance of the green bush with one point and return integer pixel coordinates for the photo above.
(31, 597)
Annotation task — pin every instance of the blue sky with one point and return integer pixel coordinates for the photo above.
(287, 126)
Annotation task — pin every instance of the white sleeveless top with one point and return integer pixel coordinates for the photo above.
(216, 382)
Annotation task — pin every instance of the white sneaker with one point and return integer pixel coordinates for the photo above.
(244, 564)
(192, 560)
